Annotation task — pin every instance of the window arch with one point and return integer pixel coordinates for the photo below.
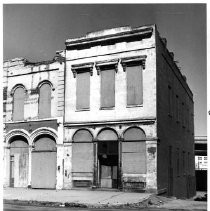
(45, 100)
(134, 134)
(18, 103)
(107, 134)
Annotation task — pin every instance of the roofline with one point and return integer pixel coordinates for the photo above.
(91, 38)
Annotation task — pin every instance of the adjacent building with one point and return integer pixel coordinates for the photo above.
(33, 122)
(201, 163)
(123, 118)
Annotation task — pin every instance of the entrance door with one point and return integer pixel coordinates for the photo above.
(19, 162)
(108, 163)
(43, 165)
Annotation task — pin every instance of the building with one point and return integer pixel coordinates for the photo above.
(128, 116)
(201, 163)
(33, 122)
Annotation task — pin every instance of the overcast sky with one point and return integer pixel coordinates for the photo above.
(37, 31)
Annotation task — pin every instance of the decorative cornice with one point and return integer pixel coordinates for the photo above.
(135, 60)
(84, 67)
(106, 63)
(140, 33)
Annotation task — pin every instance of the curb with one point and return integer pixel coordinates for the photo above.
(142, 204)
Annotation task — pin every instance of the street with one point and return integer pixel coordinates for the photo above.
(11, 207)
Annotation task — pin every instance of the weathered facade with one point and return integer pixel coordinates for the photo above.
(127, 121)
(33, 122)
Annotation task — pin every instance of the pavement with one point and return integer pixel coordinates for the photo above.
(96, 199)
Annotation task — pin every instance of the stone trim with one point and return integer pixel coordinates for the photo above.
(18, 86)
(43, 131)
(106, 63)
(84, 67)
(17, 132)
(136, 60)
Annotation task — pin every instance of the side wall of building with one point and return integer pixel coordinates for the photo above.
(175, 127)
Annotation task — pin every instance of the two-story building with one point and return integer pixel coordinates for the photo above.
(33, 122)
(128, 114)
(127, 117)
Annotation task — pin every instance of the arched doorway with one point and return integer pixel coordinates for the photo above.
(108, 156)
(43, 167)
(82, 159)
(19, 164)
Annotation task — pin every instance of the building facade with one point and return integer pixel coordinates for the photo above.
(201, 163)
(33, 122)
(127, 116)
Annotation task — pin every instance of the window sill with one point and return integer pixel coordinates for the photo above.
(84, 109)
(133, 106)
(107, 108)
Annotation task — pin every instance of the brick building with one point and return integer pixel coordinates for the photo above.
(127, 121)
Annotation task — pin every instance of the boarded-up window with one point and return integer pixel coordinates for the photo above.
(134, 152)
(134, 157)
(107, 88)
(83, 90)
(134, 85)
(45, 101)
(82, 157)
(45, 144)
(18, 104)
(82, 152)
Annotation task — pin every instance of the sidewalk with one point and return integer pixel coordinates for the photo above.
(96, 199)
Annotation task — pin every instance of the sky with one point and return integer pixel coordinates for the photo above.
(37, 31)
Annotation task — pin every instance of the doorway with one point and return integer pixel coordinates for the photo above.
(108, 164)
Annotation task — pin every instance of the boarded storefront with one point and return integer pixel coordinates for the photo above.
(82, 159)
(44, 163)
(134, 159)
(19, 162)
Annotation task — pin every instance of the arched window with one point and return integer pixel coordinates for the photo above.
(18, 104)
(45, 100)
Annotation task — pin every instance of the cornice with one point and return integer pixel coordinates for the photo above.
(138, 32)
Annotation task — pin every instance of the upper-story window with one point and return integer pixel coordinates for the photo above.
(107, 70)
(45, 100)
(133, 67)
(82, 72)
(18, 103)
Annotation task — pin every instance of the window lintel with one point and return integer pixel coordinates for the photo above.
(84, 67)
(106, 63)
(135, 60)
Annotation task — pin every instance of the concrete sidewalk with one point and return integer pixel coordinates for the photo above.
(87, 197)
(97, 199)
